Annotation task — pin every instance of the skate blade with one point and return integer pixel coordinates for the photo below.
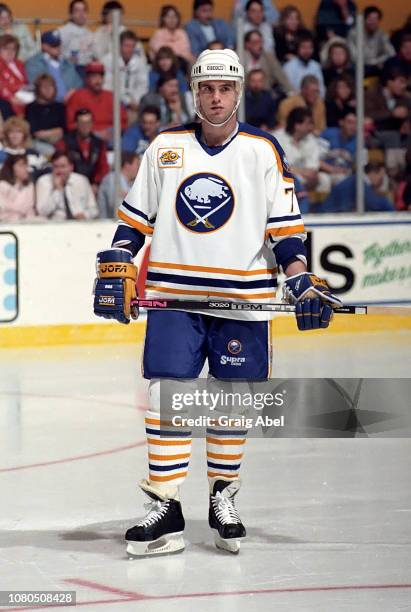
(166, 545)
(232, 545)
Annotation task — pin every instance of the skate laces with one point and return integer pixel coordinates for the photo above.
(225, 509)
(155, 511)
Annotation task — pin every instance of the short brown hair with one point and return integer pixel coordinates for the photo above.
(7, 39)
(43, 78)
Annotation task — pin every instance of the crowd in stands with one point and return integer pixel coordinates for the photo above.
(56, 102)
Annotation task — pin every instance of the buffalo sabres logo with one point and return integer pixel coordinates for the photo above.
(204, 203)
(234, 347)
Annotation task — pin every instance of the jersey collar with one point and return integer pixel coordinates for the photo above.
(219, 148)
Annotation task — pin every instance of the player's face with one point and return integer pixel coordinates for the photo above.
(217, 100)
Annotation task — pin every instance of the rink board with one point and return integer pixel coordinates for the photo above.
(47, 272)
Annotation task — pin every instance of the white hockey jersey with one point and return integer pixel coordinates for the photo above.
(214, 214)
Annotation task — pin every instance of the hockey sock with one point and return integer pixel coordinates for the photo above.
(169, 450)
(225, 449)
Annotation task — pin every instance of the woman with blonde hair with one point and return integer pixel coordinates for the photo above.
(17, 141)
(16, 190)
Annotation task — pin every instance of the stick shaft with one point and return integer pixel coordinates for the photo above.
(224, 305)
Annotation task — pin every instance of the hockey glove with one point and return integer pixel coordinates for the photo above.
(115, 286)
(313, 300)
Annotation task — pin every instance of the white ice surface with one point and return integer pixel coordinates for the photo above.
(321, 514)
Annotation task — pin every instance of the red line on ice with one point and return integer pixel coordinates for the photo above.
(111, 451)
(73, 398)
(134, 596)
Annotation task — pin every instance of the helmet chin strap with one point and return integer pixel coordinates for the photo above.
(216, 124)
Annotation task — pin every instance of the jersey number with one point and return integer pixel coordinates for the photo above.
(290, 190)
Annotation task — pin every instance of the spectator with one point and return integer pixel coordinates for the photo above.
(303, 150)
(339, 99)
(106, 199)
(403, 191)
(13, 77)
(139, 136)
(64, 194)
(377, 46)
(77, 40)
(175, 107)
(133, 71)
(334, 18)
(166, 61)
(342, 143)
(387, 104)
(87, 151)
(171, 34)
(338, 63)
(46, 116)
(260, 108)
(204, 28)
(310, 98)
(103, 35)
(50, 61)
(287, 33)
(303, 64)
(215, 45)
(98, 101)
(256, 57)
(16, 190)
(343, 196)
(6, 111)
(255, 20)
(270, 10)
(402, 60)
(17, 141)
(27, 48)
(397, 35)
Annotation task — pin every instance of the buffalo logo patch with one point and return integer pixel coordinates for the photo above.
(204, 202)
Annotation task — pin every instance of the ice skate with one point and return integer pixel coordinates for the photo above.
(160, 532)
(223, 516)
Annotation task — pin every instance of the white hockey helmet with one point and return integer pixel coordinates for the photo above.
(217, 65)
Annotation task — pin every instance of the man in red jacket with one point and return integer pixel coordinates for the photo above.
(98, 101)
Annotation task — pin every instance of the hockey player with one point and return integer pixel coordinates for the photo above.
(218, 200)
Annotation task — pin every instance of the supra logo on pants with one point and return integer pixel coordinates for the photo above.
(113, 268)
(106, 300)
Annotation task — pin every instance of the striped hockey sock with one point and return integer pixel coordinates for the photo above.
(225, 449)
(169, 450)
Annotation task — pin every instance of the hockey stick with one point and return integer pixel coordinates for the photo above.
(160, 304)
